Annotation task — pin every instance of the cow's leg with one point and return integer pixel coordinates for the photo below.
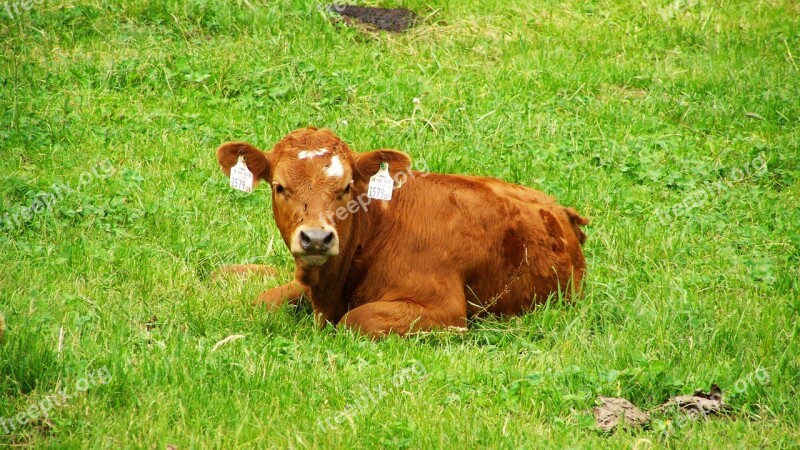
(278, 296)
(380, 318)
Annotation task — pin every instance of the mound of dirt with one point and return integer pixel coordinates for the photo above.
(699, 403)
(612, 410)
(615, 410)
(387, 19)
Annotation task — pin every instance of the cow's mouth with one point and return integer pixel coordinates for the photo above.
(313, 259)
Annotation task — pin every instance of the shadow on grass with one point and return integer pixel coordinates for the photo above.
(27, 363)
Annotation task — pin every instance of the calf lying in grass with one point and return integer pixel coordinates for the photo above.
(380, 248)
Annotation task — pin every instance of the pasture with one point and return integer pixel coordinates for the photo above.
(673, 125)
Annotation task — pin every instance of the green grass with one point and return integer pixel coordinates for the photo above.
(619, 109)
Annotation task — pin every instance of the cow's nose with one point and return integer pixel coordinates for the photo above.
(317, 241)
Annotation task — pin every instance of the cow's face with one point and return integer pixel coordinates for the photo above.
(313, 175)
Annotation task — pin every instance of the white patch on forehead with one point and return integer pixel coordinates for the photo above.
(312, 153)
(335, 168)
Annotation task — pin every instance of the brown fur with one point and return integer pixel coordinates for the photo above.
(445, 248)
(278, 296)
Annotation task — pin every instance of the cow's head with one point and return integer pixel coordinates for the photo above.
(314, 177)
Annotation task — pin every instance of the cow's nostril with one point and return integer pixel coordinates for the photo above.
(328, 239)
(305, 241)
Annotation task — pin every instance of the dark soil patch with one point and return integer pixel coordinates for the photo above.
(394, 19)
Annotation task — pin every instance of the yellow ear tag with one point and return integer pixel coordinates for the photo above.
(241, 177)
(381, 184)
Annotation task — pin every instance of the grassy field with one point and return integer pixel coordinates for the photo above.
(673, 125)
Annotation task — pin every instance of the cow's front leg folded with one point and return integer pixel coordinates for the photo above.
(380, 318)
(278, 296)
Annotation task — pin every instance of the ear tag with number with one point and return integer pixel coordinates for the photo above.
(241, 177)
(381, 184)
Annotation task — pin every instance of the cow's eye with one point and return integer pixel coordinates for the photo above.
(279, 189)
(344, 192)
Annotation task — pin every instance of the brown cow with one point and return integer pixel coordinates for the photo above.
(442, 249)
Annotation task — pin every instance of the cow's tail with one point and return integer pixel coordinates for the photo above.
(576, 221)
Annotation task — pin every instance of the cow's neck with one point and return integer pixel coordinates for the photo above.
(327, 282)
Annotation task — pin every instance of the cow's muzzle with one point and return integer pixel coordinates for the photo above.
(314, 245)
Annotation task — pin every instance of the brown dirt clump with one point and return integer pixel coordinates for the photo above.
(698, 404)
(613, 410)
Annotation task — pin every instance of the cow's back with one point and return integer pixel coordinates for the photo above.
(505, 246)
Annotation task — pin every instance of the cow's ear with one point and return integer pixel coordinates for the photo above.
(258, 162)
(368, 164)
